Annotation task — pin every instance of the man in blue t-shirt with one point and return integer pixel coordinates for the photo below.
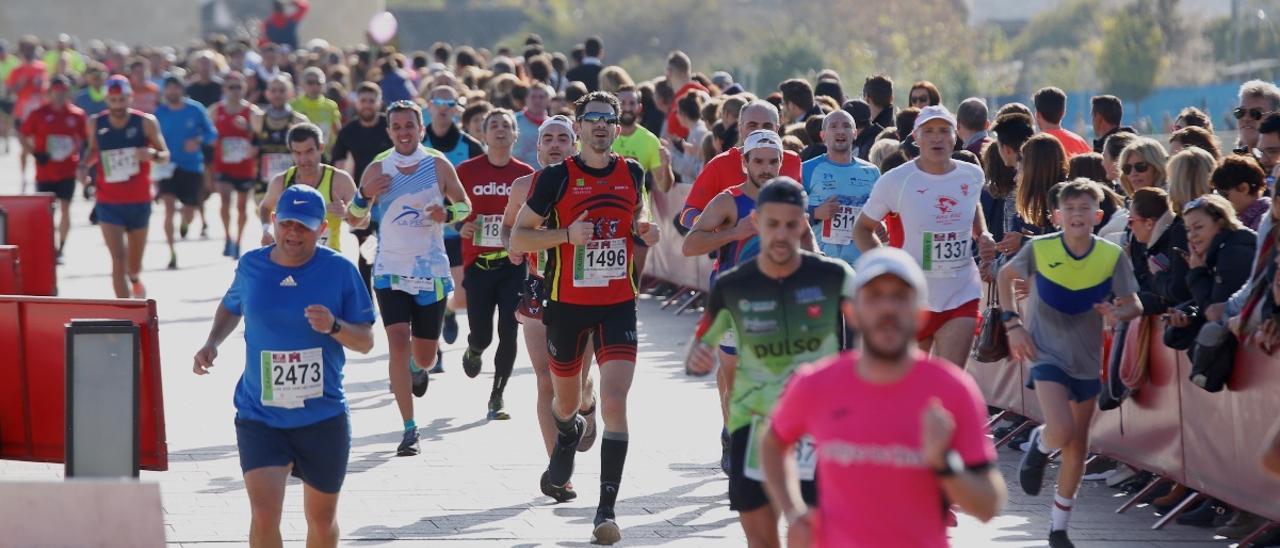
(186, 125)
(302, 305)
(838, 184)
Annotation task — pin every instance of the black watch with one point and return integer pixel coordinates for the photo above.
(952, 464)
(1006, 315)
(337, 326)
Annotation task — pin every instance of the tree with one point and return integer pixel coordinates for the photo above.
(1131, 56)
(794, 58)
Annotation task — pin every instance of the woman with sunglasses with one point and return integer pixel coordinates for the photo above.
(1142, 165)
(1158, 251)
(924, 94)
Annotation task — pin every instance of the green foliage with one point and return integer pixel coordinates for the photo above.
(1131, 55)
(796, 58)
(1065, 26)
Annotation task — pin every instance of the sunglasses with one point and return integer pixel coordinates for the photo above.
(447, 103)
(595, 117)
(1255, 113)
(1140, 167)
(924, 99)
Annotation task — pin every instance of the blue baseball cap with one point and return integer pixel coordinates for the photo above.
(303, 204)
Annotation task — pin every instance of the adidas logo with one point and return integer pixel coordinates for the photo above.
(288, 282)
(491, 189)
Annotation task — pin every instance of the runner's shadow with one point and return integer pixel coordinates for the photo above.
(446, 525)
(673, 498)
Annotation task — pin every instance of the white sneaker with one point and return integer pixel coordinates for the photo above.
(1120, 475)
(1100, 476)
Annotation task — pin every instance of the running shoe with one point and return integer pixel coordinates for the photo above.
(226, 248)
(173, 261)
(138, 290)
(1058, 539)
(497, 411)
(59, 258)
(450, 331)
(204, 231)
(561, 465)
(182, 231)
(439, 366)
(589, 435)
(421, 378)
(1122, 474)
(93, 215)
(606, 531)
(1031, 469)
(408, 444)
(564, 493)
(235, 251)
(471, 362)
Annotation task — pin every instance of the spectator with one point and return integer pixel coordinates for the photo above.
(1194, 136)
(1088, 166)
(588, 70)
(1221, 249)
(1189, 173)
(1044, 164)
(923, 94)
(1111, 155)
(1192, 117)
(877, 91)
(1240, 179)
(1267, 149)
(881, 150)
(829, 87)
(797, 101)
(972, 124)
(281, 27)
(904, 122)
(1114, 216)
(997, 191)
(1051, 108)
(865, 132)
(473, 118)
(815, 148)
(1012, 131)
(612, 78)
(1142, 165)
(686, 161)
(680, 77)
(1160, 269)
(724, 81)
(1107, 114)
(1257, 98)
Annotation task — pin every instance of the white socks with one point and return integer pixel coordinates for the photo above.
(1061, 512)
(1040, 442)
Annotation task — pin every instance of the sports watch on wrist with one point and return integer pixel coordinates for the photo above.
(1007, 315)
(337, 326)
(952, 464)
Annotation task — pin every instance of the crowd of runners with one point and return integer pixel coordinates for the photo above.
(517, 186)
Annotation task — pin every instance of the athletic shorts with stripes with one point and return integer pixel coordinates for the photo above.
(611, 328)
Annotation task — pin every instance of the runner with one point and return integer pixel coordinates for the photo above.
(529, 120)
(302, 306)
(557, 140)
(235, 159)
(54, 133)
(305, 144)
(407, 188)
(840, 183)
(8, 62)
(146, 94)
(271, 133)
(26, 83)
(1066, 309)
(920, 443)
(184, 122)
(124, 143)
(320, 110)
(936, 199)
(784, 308)
(722, 172)
(445, 136)
(362, 139)
(595, 298)
(494, 277)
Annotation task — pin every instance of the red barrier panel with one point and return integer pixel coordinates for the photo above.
(1001, 383)
(33, 371)
(10, 271)
(30, 227)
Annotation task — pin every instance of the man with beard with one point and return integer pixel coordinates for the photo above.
(926, 447)
(783, 307)
(592, 294)
(185, 123)
(271, 134)
(639, 144)
(362, 139)
(840, 184)
(54, 133)
(235, 159)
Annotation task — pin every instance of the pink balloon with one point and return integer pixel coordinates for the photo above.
(382, 27)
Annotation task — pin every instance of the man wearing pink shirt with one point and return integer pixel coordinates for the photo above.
(888, 481)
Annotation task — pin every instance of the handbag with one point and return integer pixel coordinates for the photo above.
(1133, 365)
(1213, 357)
(992, 344)
(1114, 392)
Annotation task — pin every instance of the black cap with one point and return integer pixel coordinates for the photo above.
(60, 80)
(171, 79)
(782, 190)
(859, 110)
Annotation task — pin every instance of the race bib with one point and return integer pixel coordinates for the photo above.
(945, 253)
(806, 453)
(838, 229)
(59, 147)
(599, 261)
(275, 163)
(412, 285)
(490, 232)
(119, 164)
(160, 172)
(234, 150)
(291, 377)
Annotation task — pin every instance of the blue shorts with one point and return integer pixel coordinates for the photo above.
(318, 452)
(130, 216)
(1079, 390)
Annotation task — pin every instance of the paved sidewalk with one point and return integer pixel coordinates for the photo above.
(476, 482)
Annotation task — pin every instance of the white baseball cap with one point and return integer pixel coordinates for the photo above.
(890, 261)
(934, 112)
(762, 138)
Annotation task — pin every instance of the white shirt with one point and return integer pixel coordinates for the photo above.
(937, 214)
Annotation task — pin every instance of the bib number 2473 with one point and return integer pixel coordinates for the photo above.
(291, 377)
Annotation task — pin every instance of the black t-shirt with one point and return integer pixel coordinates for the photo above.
(206, 94)
(363, 143)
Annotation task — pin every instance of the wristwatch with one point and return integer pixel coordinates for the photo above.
(952, 465)
(1006, 315)
(337, 326)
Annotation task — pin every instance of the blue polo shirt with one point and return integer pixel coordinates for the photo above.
(178, 125)
(850, 184)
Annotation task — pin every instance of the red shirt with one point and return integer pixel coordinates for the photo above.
(488, 186)
(234, 138)
(722, 172)
(599, 273)
(27, 82)
(146, 96)
(1075, 145)
(59, 132)
(674, 127)
(121, 178)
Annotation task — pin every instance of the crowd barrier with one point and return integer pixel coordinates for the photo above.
(29, 225)
(665, 261)
(10, 271)
(1210, 442)
(33, 373)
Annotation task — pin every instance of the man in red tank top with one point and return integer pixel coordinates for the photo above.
(54, 133)
(590, 206)
(235, 159)
(493, 278)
